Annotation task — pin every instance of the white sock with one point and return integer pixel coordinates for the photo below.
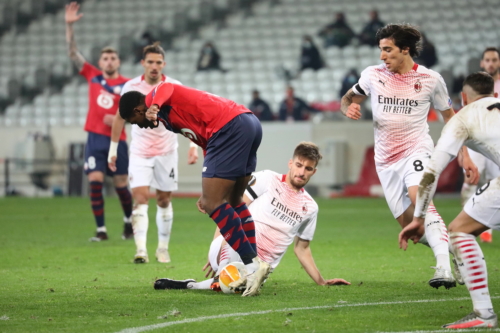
(437, 237)
(164, 218)
(102, 229)
(140, 224)
(472, 266)
(127, 219)
(200, 285)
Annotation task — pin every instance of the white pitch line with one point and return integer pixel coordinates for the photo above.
(243, 314)
(484, 330)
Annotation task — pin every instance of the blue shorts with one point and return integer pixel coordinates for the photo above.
(232, 152)
(96, 155)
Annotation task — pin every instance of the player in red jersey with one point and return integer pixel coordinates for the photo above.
(104, 93)
(230, 135)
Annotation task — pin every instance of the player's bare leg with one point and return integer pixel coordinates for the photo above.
(437, 239)
(214, 201)
(463, 232)
(140, 223)
(96, 180)
(164, 218)
(121, 187)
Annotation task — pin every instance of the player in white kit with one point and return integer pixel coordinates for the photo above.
(477, 126)
(153, 161)
(490, 62)
(282, 211)
(401, 93)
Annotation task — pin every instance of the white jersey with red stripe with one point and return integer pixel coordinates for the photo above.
(149, 142)
(497, 87)
(280, 214)
(400, 104)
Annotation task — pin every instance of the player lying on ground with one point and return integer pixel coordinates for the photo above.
(401, 94)
(230, 135)
(283, 211)
(477, 126)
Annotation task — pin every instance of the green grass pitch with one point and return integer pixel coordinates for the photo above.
(54, 280)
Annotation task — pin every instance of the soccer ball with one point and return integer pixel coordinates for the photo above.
(231, 272)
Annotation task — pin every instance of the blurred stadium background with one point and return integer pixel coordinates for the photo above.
(43, 100)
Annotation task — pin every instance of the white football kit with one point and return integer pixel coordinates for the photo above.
(400, 105)
(153, 151)
(487, 168)
(279, 213)
(477, 125)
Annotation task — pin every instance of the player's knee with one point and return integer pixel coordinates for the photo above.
(209, 205)
(120, 181)
(163, 201)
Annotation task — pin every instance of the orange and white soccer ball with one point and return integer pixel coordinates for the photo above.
(230, 273)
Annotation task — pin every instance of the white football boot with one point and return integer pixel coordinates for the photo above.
(141, 257)
(255, 280)
(442, 277)
(472, 320)
(162, 255)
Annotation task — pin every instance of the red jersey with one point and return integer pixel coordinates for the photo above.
(193, 113)
(104, 95)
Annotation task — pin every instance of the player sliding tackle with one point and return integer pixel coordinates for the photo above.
(477, 126)
(401, 94)
(230, 135)
(283, 211)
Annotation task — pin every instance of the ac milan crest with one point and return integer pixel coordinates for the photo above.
(418, 86)
(304, 209)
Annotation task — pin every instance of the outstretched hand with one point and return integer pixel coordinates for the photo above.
(72, 15)
(414, 231)
(210, 272)
(336, 282)
(353, 111)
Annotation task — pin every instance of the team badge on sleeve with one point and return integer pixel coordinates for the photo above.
(304, 209)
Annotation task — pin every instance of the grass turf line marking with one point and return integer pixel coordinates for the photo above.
(242, 314)
(452, 330)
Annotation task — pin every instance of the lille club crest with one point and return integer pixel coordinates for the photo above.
(418, 86)
(304, 209)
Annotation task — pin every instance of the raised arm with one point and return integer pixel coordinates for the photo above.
(70, 18)
(350, 105)
(304, 254)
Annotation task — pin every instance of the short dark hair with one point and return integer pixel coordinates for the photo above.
(308, 150)
(481, 82)
(128, 102)
(404, 36)
(490, 49)
(153, 48)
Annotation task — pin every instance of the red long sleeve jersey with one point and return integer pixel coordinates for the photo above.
(193, 113)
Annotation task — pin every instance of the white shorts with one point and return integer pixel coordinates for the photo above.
(397, 178)
(159, 172)
(484, 206)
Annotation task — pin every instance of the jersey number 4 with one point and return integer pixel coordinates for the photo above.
(172, 173)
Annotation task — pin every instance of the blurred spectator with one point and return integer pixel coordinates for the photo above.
(349, 80)
(260, 107)
(428, 56)
(367, 36)
(337, 33)
(310, 56)
(145, 40)
(209, 58)
(293, 108)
